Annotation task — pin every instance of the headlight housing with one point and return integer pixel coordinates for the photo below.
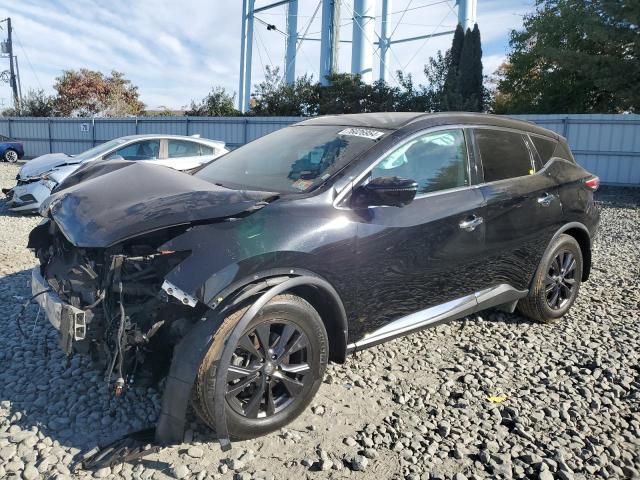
(50, 184)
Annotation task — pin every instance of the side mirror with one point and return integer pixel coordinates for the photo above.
(385, 191)
(114, 156)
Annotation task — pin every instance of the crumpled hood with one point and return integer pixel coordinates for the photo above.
(141, 198)
(44, 163)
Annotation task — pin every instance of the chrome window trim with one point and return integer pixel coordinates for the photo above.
(355, 181)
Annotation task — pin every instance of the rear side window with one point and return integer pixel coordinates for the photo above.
(183, 148)
(504, 154)
(545, 147)
(206, 150)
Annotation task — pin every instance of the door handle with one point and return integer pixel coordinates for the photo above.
(470, 224)
(546, 199)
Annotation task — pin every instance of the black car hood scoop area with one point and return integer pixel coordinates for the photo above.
(105, 210)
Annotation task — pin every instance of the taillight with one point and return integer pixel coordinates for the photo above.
(593, 183)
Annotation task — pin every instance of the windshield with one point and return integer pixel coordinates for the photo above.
(291, 160)
(100, 149)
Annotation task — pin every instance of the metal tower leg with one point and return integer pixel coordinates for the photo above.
(292, 41)
(364, 13)
(384, 39)
(246, 48)
(467, 13)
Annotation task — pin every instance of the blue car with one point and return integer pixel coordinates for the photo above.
(10, 150)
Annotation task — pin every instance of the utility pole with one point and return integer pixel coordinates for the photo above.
(18, 77)
(7, 48)
(329, 39)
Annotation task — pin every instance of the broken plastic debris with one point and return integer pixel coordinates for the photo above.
(497, 399)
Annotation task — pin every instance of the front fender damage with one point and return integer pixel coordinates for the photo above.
(219, 264)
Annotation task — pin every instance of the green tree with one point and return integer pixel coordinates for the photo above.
(274, 96)
(217, 103)
(89, 93)
(573, 56)
(346, 93)
(470, 72)
(450, 95)
(36, 104)
(436, 71)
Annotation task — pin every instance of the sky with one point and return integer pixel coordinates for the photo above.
(177, 50)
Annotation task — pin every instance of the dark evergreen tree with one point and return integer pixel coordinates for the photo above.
(470, 72)
(451, 98)
(477, 77)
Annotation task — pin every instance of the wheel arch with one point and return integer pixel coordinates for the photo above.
(322, 296)
(581, 234)
(255, 292)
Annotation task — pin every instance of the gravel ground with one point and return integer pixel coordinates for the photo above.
(567, 401)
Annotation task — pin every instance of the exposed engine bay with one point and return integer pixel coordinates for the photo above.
(116, 309)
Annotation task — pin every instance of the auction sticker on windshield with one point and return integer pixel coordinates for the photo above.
(362, 132)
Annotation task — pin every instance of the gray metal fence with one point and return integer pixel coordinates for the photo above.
(607, 145)
(74, 135)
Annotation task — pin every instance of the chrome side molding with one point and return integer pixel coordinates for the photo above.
(432, 316)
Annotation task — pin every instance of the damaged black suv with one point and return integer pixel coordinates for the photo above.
(239, 283)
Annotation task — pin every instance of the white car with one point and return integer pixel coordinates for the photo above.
(38, 177)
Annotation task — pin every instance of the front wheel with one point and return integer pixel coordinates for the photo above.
(556, 283)
(276, 368)
(10, 156)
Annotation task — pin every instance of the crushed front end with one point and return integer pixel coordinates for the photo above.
(109, 303)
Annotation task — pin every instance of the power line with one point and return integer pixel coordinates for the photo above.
(427, 39)
(28, 60)
(264, 73)
(270, 26)
(401, 17)
(419, 7)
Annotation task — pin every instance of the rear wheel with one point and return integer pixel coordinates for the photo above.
(10, 156)
(276, 368)
(557, 281)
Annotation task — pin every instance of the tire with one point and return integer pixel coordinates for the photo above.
(10, 156)
(283, 315)
(560, 272)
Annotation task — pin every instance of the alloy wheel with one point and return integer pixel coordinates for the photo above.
(268, 369)
(560, 279)
(11, 156)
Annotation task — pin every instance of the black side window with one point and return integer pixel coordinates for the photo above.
(504, 154)
(563, 151)
(545, 147)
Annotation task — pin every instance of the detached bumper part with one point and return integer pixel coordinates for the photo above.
(70, 321)
(132, 446)
(27, 197)
(174, 291)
